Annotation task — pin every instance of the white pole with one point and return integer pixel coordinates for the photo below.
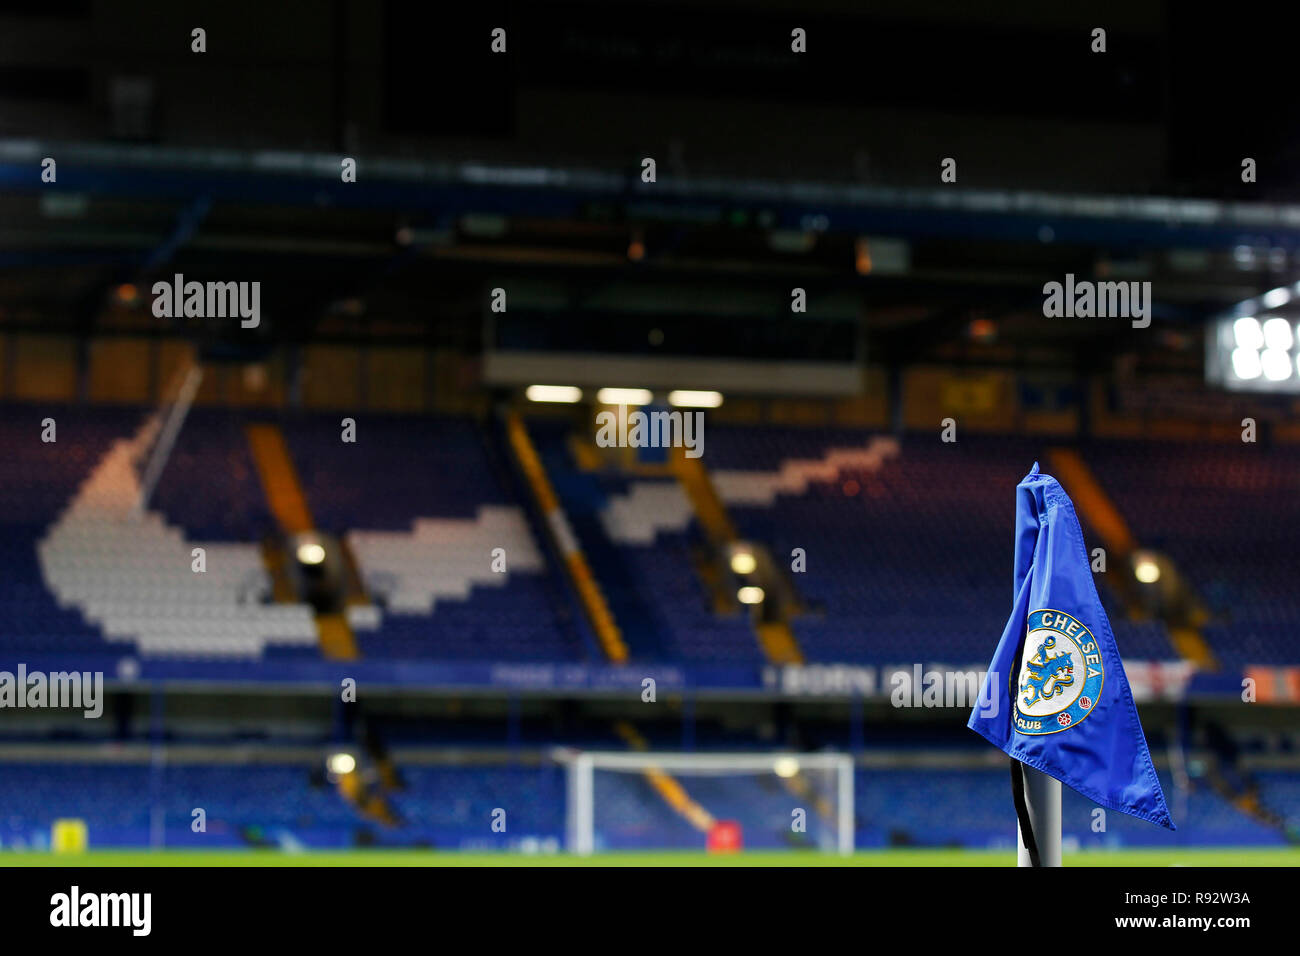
(582, 805)
(845, 797)
(1043, 799)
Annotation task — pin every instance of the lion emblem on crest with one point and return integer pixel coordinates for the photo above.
(1047, 674)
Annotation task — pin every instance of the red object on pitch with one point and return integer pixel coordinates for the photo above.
(724, 837)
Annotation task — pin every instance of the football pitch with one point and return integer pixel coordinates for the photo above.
(1286, 856)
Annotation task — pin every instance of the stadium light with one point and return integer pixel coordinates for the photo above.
(1247, 333)
(743, 562)
(624, 396)
(127, 294)
(311, 552)
(862, 257)
(750, 595)
(686, 398)
(1276, 365)
(791, 240)
(567, 394)
(1276, 297)
(341, 764)
(1147, 571)
(1245, 363)
(1277, 334)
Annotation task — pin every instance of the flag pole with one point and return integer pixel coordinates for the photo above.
(1043, 800)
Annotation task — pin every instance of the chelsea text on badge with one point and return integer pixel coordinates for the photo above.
(1061, 674)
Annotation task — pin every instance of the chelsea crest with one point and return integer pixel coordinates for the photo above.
(1060, 676)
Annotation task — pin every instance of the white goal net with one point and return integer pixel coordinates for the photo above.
(632, 800)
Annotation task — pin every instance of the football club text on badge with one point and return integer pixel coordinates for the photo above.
(1060, 677)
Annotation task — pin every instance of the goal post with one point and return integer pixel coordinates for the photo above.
(626, 799)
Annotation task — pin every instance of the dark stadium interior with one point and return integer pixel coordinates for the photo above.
(351, 583)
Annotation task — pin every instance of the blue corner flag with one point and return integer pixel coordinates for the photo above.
(1060, 700)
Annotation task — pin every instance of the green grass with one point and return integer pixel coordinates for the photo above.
(1172, 857)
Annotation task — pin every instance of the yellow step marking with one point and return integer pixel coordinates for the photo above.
(1068, 467)
(337, 642)
(709, 509)
(274, 559)
(575, 562)
(279, 479)
(666, 785)
(775, 638)
(288, 504)
(1072, 471)
(779, 643)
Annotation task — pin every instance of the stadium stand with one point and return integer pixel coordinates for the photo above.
(210, 486)
(437, 507)
(641, 553)
(244, 805)
(134, 577)
(290, 805)
(423, 503)
(931, 512)
(1224, 513)
(37, 480)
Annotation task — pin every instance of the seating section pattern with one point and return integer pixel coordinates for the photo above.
(210, 486)
(420, 499)
(291, 805)
(909, 547)
(398, 468)
(425, 501)
(1227, 515)
(37, 480)
(134, 575)
(122, 804)
(639, 542)
(424, 505)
